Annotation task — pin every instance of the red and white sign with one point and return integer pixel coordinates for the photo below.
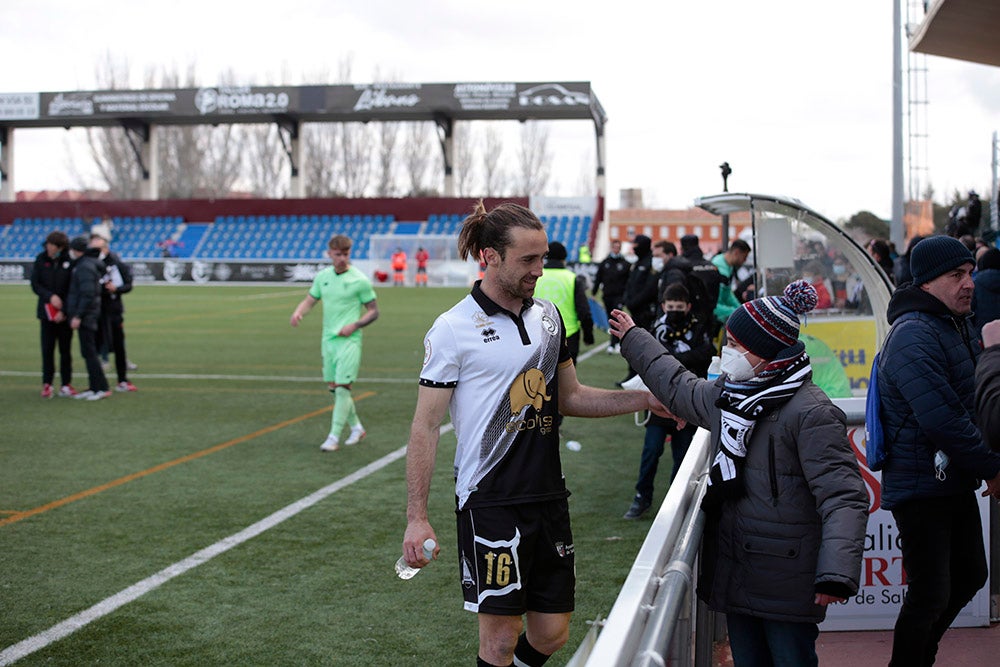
(883, 579)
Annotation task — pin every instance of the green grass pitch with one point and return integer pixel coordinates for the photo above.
(224, 431)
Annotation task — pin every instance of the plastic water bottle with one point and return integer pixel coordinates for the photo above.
(404, 570)
(714, 369)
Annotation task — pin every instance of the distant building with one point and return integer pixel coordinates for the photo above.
(671, 225)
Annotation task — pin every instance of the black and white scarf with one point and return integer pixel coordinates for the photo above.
(742, 405)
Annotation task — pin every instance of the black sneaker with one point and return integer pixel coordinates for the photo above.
(637, 509)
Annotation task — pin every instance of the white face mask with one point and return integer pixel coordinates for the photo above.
(657, 264)
(735, 365)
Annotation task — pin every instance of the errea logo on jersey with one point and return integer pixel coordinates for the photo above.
(490, 335)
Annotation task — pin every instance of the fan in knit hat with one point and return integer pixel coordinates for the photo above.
(937, 255)
(770, 324)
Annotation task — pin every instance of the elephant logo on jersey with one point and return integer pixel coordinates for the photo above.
(528, 388)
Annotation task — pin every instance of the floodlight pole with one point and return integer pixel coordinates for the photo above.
(726, 170)
(897, 234)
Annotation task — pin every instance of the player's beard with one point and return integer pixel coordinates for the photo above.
(522, 287)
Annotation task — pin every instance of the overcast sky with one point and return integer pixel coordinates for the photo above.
(795, 95)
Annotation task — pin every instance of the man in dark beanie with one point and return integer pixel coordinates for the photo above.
(786, 508)
(936, 455)
(83, 308)
(641, 289)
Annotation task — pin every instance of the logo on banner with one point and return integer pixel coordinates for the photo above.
(552, 95)
(201, 272)
(71, 104)
(239, 100)
(173, 272)
(380, 98)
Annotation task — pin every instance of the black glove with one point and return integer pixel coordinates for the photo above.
(588, 336)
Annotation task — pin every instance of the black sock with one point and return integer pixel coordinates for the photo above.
(527, 655)
(482, 663)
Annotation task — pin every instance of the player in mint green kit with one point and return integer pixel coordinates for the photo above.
(348, 305)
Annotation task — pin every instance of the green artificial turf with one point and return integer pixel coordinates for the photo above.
(224, 432)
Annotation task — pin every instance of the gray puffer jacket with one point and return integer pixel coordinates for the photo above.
(799, 529)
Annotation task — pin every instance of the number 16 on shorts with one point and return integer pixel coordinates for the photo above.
(493, 571)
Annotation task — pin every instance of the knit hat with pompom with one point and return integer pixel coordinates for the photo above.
(768, 325)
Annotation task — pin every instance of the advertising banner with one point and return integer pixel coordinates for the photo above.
(345, 102)
(883, 579)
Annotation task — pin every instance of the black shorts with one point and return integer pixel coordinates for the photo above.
(517, 558)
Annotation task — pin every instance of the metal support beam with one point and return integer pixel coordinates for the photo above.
(293, 149)
(446, 126)
(6, 162)
(600, 179)
(137, 134)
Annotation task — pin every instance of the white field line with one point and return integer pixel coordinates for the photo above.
(26, 647)
(62, 630)
(273, 378)
(235, 378)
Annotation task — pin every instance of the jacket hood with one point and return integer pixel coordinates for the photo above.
(911, 298)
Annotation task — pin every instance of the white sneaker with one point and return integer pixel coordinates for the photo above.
(83, 395)
(357, 433)
(98, 395)
(331, 444)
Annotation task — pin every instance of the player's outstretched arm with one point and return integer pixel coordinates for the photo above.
(421, 451)
(580, 400)
(304, 307)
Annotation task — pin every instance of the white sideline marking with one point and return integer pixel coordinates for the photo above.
(62, 630)
(237, 378)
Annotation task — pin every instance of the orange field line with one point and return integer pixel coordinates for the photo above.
(164, 466)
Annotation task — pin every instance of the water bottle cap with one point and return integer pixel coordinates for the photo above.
(429, 544)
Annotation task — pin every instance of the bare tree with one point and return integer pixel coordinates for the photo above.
(417, 157)
(321, 148)
(495, 178)
(192, 160)
(112, 152)
(534, 163)
(197, 161)
(267, 166)
(355, 158)
(464, 167)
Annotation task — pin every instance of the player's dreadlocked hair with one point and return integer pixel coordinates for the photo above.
(483, 230)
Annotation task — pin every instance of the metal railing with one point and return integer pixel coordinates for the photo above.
(650, 621)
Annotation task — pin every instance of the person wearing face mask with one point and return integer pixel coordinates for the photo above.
(814, 275)
(685, 336)
(786, 508)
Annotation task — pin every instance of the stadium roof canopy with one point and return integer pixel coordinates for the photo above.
(962, 29)
(138, 112)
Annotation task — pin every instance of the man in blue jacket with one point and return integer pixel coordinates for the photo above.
(936, 455)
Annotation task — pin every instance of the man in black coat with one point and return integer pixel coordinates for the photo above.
(641, 297)
(50, 277)
(612, 274)
(988, 386)
(111, 326)
(83, 309)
